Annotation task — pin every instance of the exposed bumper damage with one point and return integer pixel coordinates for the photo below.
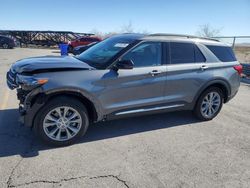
(29, 104)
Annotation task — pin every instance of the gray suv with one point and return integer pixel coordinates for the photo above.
(123, 76)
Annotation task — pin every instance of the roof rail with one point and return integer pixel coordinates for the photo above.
(181, 35)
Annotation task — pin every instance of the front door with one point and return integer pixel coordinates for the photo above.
(140, 88)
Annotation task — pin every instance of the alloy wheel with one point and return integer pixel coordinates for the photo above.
(210, 104)
(62, 123)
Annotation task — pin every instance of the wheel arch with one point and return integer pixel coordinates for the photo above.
(91, 108)
(219, 83)
(40, 99)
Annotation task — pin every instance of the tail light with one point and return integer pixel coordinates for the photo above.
(239, 69)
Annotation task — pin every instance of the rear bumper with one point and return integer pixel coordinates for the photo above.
(232, 95)
(234, 86)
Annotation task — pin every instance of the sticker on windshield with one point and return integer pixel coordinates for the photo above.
(121, 45)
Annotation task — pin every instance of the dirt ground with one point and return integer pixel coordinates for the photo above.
(242, 54)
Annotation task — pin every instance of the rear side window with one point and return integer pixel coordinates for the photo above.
(223, 53)
(185, 53)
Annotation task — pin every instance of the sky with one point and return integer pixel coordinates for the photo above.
(232, 17)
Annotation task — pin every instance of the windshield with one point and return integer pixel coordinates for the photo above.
(98, 55)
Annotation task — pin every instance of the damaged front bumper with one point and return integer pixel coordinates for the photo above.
(29, 105)
(29, 93)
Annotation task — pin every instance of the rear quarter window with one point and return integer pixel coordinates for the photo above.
(223, 53)
(199, 57)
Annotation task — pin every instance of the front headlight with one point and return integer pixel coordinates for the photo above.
(29, 82)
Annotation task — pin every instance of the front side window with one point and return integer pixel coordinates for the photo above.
(100, 54)
(145, 54)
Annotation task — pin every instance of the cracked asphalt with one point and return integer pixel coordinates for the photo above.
(165, 150)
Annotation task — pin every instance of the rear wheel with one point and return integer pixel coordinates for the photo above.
(209, 104)
(62, 121)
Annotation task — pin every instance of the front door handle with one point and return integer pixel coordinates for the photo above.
(155, 72)
(204, 67)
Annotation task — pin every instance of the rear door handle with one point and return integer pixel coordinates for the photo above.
(204, 67)
(155, 72)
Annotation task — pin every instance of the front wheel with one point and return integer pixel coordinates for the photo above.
(209, 104)
(6, 46)
(62, 121)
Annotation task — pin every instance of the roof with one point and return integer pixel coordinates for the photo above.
(181, 37)
(171, 37)
(168, 37)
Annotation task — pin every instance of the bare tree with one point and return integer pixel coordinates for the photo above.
(127, 28)
(101, 34)
(96, 32)
(207, 30)
(145, 32)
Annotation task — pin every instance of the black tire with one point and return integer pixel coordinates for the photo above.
(59, 102)
(198, 107)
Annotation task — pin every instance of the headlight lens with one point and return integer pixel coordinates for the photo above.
(30, 81)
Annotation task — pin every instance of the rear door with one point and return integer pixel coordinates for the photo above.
(139, 88)
(186, 72)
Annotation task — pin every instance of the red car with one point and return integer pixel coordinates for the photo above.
(82, 41)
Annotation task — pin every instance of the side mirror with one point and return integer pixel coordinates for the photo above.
(124, 64)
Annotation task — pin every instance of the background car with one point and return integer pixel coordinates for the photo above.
(79, 49)
(6, 42)
(82, 41)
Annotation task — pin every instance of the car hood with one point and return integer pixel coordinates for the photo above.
(48, 63)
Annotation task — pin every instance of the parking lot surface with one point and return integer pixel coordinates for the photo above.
(165, 150)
